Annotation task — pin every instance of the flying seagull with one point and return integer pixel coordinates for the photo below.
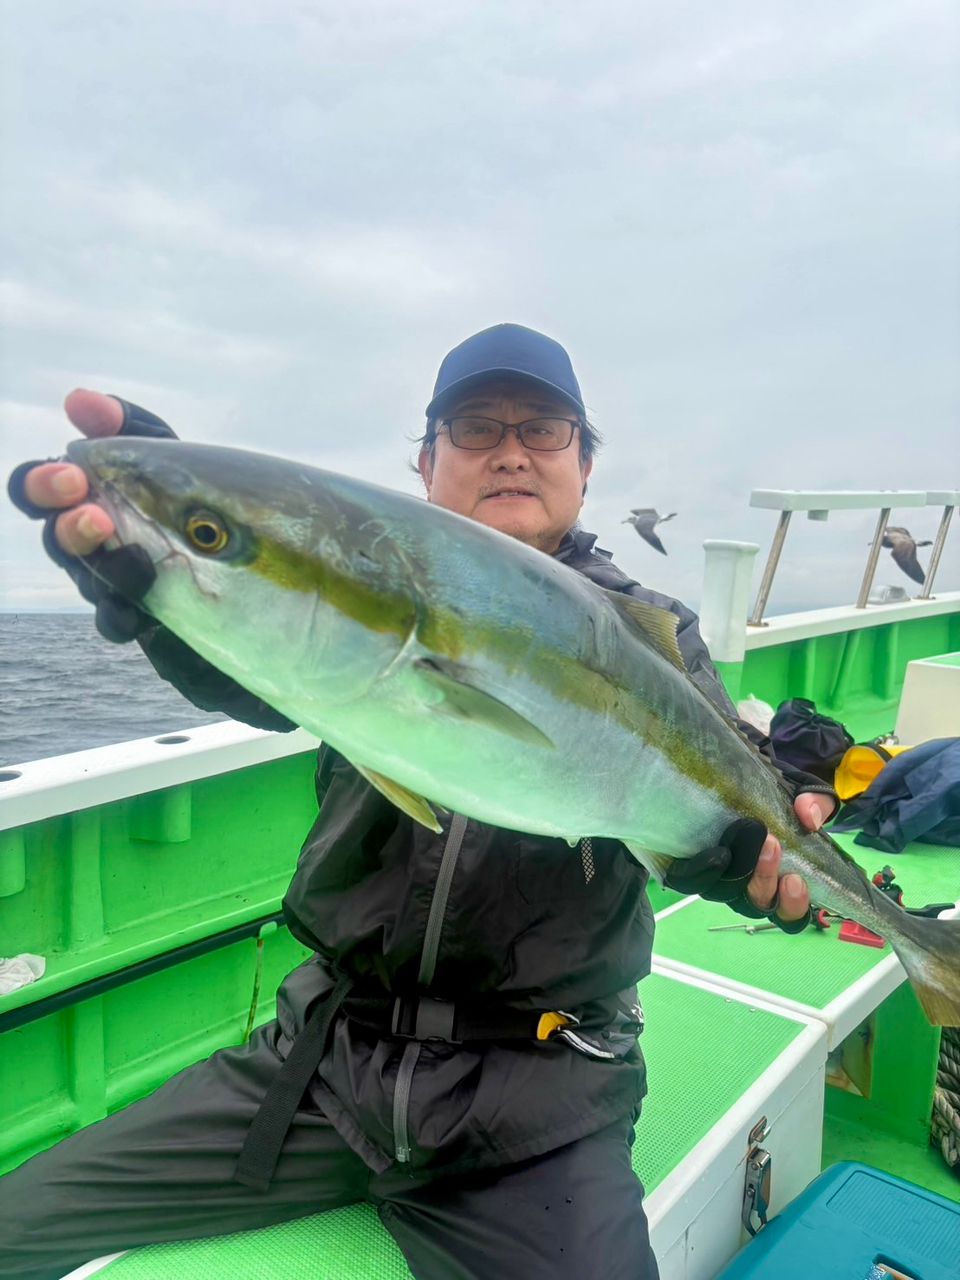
(904, 551)
(643, 520)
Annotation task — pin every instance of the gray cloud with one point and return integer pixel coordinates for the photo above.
(269, 222)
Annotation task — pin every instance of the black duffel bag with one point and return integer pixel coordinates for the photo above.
(804, 738)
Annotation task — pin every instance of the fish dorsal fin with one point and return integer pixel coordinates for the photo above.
(463, 697)
(409, 802)
(659, 626)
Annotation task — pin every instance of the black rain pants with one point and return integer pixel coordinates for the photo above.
(162, 1169)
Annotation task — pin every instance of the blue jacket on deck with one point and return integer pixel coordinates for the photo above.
(914, 797)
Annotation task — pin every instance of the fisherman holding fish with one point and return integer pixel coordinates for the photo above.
(462, 1048)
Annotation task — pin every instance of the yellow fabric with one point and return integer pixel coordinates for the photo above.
(860, 765)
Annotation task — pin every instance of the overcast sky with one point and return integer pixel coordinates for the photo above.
(269, 221)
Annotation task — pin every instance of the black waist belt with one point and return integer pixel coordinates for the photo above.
(414, 1018)
(423, 1018)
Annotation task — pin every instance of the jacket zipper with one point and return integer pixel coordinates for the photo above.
(438, 906)
(428, 965)
(401, 1100)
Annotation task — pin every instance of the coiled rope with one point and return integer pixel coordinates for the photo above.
(945, 1126)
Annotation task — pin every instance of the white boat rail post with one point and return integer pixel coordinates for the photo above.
(727, 569)
(872, 558)
(948, 500)
(818, 504)
(770, 568)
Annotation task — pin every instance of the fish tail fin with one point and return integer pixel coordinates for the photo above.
(929, 950)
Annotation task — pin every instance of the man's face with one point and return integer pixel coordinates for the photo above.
(530, 494)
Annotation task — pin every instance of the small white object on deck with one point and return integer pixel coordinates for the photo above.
(20, 971)
(756, 712)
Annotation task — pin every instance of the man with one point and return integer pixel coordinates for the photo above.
(420, 1060)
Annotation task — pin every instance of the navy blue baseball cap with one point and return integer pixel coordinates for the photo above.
(505, 350)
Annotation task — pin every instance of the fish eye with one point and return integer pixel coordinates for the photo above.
(207, 532)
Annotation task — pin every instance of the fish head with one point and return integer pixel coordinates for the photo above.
(283, 576)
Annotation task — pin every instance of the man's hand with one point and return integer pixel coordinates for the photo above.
(766, 885)
(113, 581)
(743, 870)
(60, 486)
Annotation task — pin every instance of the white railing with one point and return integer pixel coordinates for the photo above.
(728, 572)
(818, 506)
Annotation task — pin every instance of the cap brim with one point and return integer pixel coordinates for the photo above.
(460, 387)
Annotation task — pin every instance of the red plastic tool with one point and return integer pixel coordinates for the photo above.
(850, 931)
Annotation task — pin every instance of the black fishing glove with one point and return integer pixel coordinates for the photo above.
(123, 577)
(721, 874)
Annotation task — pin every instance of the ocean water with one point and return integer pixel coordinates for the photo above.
(64, 688)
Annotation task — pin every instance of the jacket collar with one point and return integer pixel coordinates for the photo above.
(578, 545)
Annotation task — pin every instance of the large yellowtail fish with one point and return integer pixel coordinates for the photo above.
(456, 667)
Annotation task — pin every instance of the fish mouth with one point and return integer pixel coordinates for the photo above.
(132, 530)
(131, 525)
(106, 493)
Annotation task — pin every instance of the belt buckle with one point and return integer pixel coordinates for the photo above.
(432, 1019)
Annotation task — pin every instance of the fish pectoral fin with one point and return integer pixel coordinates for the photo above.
(462, 697)
(658, 864)
(409, 802)
(659, 626)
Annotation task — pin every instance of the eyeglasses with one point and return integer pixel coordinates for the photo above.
(547, 434)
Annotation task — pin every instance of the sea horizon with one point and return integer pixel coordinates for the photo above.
(64, 688)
